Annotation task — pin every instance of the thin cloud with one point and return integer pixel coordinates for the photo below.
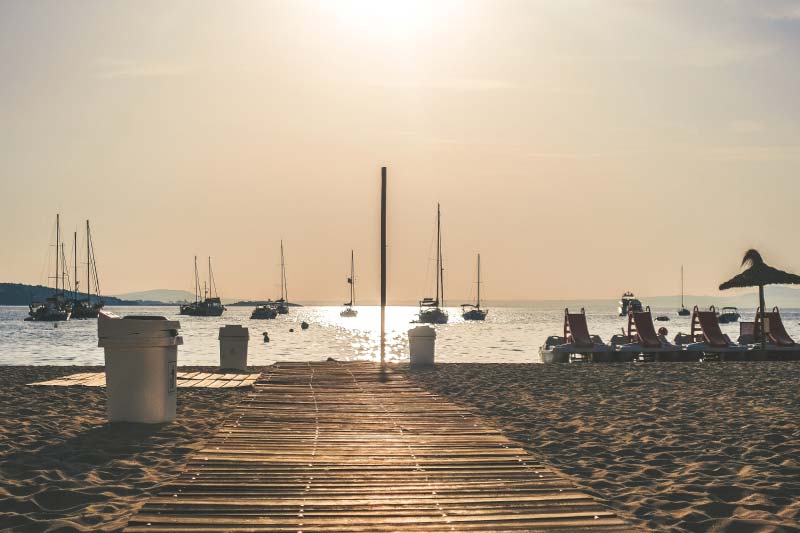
(456, 84)
(130, 70)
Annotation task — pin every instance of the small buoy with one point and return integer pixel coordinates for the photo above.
(266, 337)
(304, 325)
(291, 330)
(663, 331)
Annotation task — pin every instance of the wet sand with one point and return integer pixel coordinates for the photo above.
(63, 468)
(675, 447)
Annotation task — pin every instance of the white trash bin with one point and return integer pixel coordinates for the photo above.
(141, 356)
(233, 347)
(422, 345)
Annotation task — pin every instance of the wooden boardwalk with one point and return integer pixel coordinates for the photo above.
(331, 447)
(203, 380)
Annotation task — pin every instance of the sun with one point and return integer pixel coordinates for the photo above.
(400, 20)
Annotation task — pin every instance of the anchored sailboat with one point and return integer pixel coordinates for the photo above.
(474, 312)
(429, 310)
(85, 308)
(281, 305)
(348, 310)
(57, 307)
(682, 311)
(208, 306)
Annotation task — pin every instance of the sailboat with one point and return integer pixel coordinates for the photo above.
(348, 310)
(474, 312)
(281, 305)
(682, 311)
(85, 308)
(207, 306)
(429, 310)
(57, 307)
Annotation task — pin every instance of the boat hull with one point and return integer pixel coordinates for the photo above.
(474, 314)
(433, 316)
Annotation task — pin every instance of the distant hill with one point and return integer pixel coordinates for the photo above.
(159, 295)
(21, 294)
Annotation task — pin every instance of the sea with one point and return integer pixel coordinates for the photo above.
(509, 334)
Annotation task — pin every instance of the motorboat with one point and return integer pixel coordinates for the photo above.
(628, 303)
(728, 315)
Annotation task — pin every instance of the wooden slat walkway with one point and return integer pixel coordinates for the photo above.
(330, 447)
(185, 380)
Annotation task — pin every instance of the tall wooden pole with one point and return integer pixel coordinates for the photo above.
(383, 266)
(761, 318)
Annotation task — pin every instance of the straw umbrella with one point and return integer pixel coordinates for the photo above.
(758, 274)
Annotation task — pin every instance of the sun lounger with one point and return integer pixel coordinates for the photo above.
(578, 343)
(709, 337)
(779, 344)
(645, 340)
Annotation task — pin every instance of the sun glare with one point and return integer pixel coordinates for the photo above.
(396, 19)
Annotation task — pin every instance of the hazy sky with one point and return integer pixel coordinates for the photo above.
(583, 147)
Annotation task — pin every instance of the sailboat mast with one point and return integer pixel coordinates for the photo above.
(75, 262)
(196, 282)
(682, 306)
(479, 282)
(438, 250)
(441, 259)
(88, 265)
(58, 249)
(63, 270)
(284, 288)
(352, 279)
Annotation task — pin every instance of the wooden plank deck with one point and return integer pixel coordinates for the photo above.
(185, 380)
(330, 447)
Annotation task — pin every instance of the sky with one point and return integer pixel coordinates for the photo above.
(583, 148)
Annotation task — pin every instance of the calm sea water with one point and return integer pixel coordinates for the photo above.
(509, 335)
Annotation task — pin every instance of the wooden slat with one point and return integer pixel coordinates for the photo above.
(185, 380)
(332, 447)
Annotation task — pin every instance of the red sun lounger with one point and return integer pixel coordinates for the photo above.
(776, 332)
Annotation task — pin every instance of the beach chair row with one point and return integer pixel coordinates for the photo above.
(641, 341)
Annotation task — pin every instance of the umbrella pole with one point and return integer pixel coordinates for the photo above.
(761, 318)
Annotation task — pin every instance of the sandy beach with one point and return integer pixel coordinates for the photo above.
(63, 468)
(678, 447)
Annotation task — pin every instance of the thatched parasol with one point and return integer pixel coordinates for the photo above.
(759, 274)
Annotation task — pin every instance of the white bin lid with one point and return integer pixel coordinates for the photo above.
(110, 327)
(235, 331)
(422, 331)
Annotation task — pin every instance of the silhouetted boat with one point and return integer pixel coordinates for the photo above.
(348, 310)
(57, 307)
(682, 311)
(728, 315)
(281, 305)
(474, 312)
(208, 306)
(86, 308)
(629, 302)
(264, 312)
(429, 310)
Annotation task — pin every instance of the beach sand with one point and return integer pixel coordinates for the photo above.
(678, 447)
(63, 468)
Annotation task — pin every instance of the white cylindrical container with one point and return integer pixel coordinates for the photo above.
(422, 345)
(233, 347)
(141, 355)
